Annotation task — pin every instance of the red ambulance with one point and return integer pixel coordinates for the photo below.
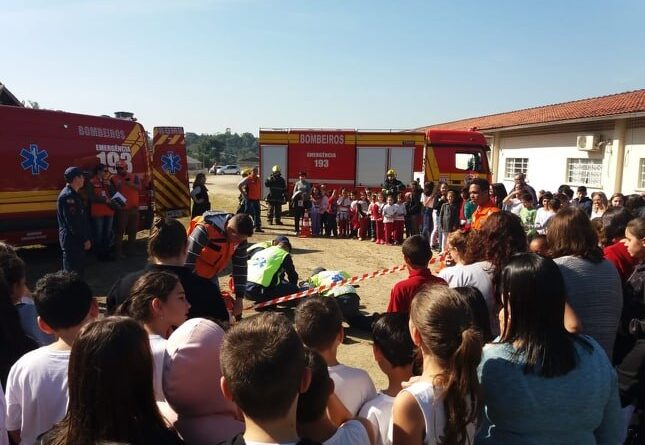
(36, 146)
(357, 158)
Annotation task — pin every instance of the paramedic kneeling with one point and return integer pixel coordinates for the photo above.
(266, 270)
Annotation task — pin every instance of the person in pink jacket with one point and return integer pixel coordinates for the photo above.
(191, 384)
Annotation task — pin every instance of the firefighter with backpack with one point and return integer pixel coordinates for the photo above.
(215, 239)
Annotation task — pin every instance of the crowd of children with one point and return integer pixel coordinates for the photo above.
(503, 331)
(365, 215)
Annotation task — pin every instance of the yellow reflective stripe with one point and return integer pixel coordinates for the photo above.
(27, 207)
(162, 139)
(135, 139)
(29, 193)
(174, 184)
(392, 139)
(431, 164)
(182, 188)
(171, 193)
(174, 139)
(159, 199)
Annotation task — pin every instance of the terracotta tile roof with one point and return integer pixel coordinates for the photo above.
(615, 104)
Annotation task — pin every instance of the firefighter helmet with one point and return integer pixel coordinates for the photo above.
(276, 169)
(391, 172)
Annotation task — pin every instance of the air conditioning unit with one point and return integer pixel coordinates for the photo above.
(588, 143)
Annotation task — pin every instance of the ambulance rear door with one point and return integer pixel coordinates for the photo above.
(170, 173)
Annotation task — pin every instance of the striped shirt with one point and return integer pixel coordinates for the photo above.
(198, 239)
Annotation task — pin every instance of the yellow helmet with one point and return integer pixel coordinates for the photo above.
(276, 169)
(391, 172)
(246, 172)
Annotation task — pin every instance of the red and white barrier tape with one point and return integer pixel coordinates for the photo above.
(320, 289)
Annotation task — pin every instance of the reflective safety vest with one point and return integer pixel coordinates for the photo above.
(98, 209)
(216, 252)
(264, 265)
(327, 277)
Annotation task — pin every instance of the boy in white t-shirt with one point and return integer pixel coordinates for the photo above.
(36, 390)
(394, 352)
(319, 322)
(312, 419)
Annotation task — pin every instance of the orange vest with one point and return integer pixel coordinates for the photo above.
(253, 188)
(99, 208)
(131, 194)
(214, 256)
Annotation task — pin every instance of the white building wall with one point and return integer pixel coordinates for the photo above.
(547, 155)
(634, 152)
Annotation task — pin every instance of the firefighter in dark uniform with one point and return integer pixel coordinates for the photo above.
(392, 186)
(277, 195)
(73, 227)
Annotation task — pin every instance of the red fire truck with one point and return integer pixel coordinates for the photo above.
(36, 146)
(357, 158)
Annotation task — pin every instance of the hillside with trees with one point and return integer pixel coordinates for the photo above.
(223, 148)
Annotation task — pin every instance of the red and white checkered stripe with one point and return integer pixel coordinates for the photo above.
(320, 289)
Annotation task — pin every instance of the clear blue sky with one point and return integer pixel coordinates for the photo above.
(207, 65)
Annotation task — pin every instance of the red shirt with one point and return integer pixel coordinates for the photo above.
(404, 291)
(618, 255)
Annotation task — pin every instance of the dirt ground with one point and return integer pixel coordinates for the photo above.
(352, 256)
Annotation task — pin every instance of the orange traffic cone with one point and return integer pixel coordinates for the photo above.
(305, 227)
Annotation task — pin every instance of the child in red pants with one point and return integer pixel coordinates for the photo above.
(360, 216)
(399, 219)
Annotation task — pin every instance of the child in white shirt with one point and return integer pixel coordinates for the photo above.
(36, 390)
(394, 352)
(312, 419)
(399, 219)
(389, 212)
(319, 322)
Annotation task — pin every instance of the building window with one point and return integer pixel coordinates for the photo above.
(641, 174)
(584, 171)
(515, 166)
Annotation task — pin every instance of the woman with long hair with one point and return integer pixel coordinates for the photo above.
(111, 398)
(498, 194)
(158, 302)
(592, 283)
(14, 342)
(167, 252)
(617, 200)
(199, 195)
(543, 384)
(443, 406)
(487, 252)
(599, 204)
